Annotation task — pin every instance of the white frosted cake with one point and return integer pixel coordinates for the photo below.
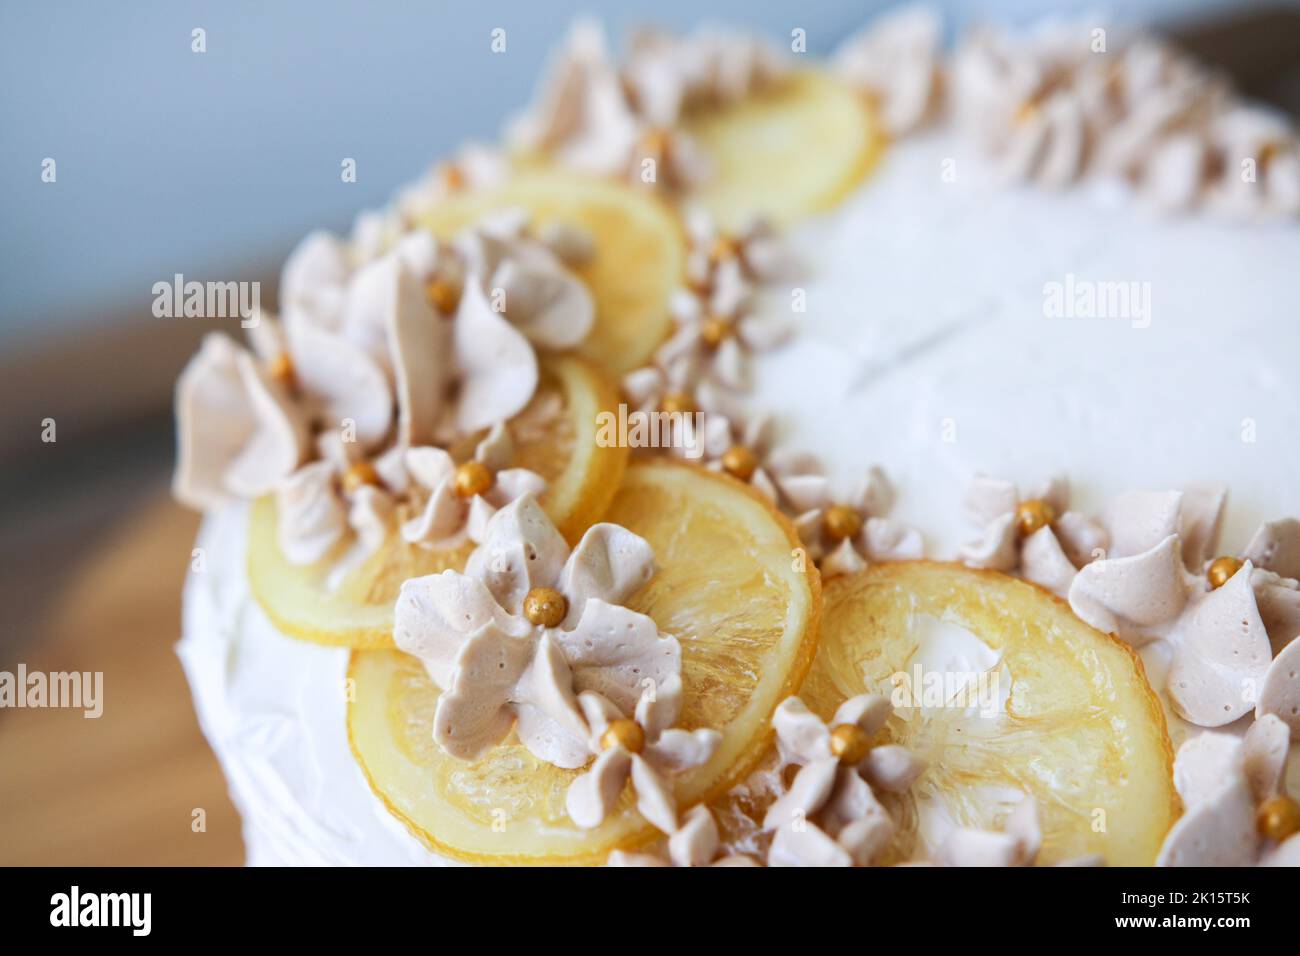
(1025, 308)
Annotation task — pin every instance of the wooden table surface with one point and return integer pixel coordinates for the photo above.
(120, 790)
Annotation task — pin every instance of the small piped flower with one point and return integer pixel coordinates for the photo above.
(830, 816)
(1236, 808)
(695, 843)
(843, 535)
(488, 637)
(1036, 534)
(644, 748)
(464, 497)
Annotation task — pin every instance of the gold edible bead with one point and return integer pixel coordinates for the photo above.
(453, 180)
(1034, 514)
(1027, 111)
(473, 478)
(656, 143)
(623, 733)
(359, 473)
(740, 462)
(678, 403)
(850, 743)
(444, 296)
(1221, 570)
(841, 522)
(1278, 818)
(713, 331)
(282, 370)
(545, 607)
(724, 247)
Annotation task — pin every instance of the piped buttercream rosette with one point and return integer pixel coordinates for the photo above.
(1075, 100)
(1035, 534)
(829, 815)
(844, 534)
(625, 120)
(1231, 625)
(718, 326)
(1231, 789)
(897, 61)
(696, 842)
(344, 410)
(533, 638)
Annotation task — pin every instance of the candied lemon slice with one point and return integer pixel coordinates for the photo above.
(554, 436)
(1077, 726)
(783, 153)
(728, 586)
(638, 261)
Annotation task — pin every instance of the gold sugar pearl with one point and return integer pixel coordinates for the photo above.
(545, 607)
(724, 247)
(453, 180)
(1278, 818)
(678, 403)
(473, 478)
(841, 522)
(623, 733)
(1027, 111)
(657, 144)
(740, 462)
(443, 294)
(1268, 152)
(1034, 514)
(359, 473)
(714, 331)
(850, 743)
(1221, 571)
(282, 370)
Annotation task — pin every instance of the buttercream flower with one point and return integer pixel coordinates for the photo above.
(896, 60)
(1036, 534)
(722, 267)
(843, 535)
(830, 816)
(717, 325)
(377, 336)
(1016, 844)
(667, 410)
(645, 749)
(1259, 155)
(1224, 627)
(744, 447)
(695, 843)
(463, 498)
(239, 430)
(1236, 809)
(1221, 654)
(582, 115)
(529, 625)
(669, 74)
(1160, 139)
(597, 118)
(1142, 583)
(1017, 99)
(319, 503)
(474, 166)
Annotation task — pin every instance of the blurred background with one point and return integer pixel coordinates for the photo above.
(213, 165)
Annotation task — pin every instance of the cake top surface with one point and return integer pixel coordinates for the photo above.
(902, 364)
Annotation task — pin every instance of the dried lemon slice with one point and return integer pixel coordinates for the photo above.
(1077, 726)
(637, 262)
(728, 586)
(554, 436)
(785, 152)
